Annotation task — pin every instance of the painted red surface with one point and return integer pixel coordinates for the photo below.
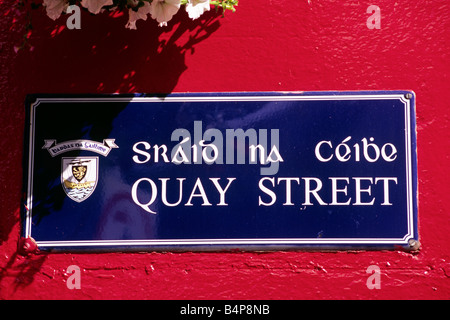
(265, 46)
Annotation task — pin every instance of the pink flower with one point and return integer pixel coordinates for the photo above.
(54, 8)
(163, 10)
(94, 6)
(134, 16)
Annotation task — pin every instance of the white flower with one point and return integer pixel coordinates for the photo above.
(54, 8)
(94, 6)
(195, 8)
(134, 16)
(163, 10)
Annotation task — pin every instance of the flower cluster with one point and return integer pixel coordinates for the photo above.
(160, 10)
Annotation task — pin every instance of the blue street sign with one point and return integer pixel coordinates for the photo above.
(221, 171)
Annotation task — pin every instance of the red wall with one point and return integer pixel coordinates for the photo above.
(265, 46)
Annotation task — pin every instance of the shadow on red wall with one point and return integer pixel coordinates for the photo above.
(105, 57)
(102, 57)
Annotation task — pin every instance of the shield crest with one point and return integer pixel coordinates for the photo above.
(79, 172)
(79, 177)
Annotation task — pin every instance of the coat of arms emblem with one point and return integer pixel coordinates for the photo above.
(79, 177)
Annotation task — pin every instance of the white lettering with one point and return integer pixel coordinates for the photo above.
(346, 156)
(198, 185)
(154, 191)
(314, 192)
(274, 153)
(164, 191)
(317, 151)
(288, 189)
(163, 154)
(220, 190)
(180, 151)
(141, 152)
(392, 156)
(374, 147)
(358, 191)
(339, 191)
(335, 191)
(371, 151)
(270, 193)
(386, 189)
